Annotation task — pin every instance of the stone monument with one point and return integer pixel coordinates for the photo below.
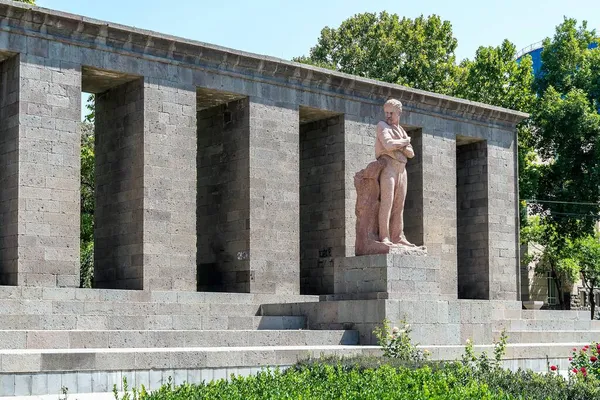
(381, 190)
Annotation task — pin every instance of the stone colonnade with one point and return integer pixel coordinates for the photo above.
(219, 170)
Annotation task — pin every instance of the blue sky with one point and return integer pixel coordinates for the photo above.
(286, 29)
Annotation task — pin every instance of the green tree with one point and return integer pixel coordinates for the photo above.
(586, 254)
(495, 77)
(418, 53)
(87, 204)
(567, 130)
(26, 1)
(552, 253)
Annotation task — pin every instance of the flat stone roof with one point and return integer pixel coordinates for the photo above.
(54, 25)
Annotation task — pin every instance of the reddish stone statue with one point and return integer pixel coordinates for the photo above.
(381, 189)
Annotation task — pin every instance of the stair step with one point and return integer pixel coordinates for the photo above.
(63, 339)
(560, 336)
(156, 322)
(547, 324)
(128, 296)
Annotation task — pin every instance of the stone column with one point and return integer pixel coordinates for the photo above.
(41, 240)
(502, 215)
(274, 198)
(9, 171)
(439, 205)
(119, 224)
(170, 148)
(146, 187)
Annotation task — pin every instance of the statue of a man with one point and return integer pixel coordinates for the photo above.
(392, 149)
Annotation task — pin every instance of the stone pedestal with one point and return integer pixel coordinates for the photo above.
(411, 275)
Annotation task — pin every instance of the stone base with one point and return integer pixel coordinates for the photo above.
(370, 247)
(408, 273)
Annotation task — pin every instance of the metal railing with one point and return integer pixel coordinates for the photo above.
(531, 47)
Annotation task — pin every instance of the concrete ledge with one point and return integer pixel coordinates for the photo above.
(152, 367)
(32, 361)
(98, 339)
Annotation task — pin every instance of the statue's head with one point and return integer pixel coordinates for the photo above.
(392, 109)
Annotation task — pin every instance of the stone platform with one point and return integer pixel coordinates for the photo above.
(387, 276)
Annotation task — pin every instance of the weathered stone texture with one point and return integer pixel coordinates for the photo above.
(274, 194)
(49, 168)
(472, 215)
(170, 148)
(322, 215)
(119, 219)
(9, 170)
(223, 198)
(439, 205)
(413, 207)
(502, 215)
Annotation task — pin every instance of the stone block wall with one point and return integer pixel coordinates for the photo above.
(387, 276)
(9, 170)
(322, 216)
(439, 205)
(223, 198)
(503, 215)
(274, 192)
(119, 219)
(49, 167)
(413, 208)
(472, 214)
(170, 156)
(51, 57)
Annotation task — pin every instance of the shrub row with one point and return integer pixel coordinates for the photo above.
(372, 378)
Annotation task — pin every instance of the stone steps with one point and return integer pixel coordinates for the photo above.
(156, 322)
(140, 296)
(547, 324)
(106, 339)
(549, 336)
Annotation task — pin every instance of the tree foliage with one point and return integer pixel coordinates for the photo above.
(87, 204)
(567, 130)
(418, 53)
(552, 253)
(32, 2)
(586, 255)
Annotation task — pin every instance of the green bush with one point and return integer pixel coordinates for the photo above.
(320, 381)
(383, 378)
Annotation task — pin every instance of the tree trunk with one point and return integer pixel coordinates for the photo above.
(592, 301)
(559, 292)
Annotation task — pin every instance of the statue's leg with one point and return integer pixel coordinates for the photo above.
(387, 183)
(397, 219)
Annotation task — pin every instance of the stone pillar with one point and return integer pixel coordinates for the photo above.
(274, 198)
(146, 187)
(223, 198)
(119, 224)
(439, 205)
(502, 214)
(322, 202)
(49, 169)
(9, 171)
(170, 148)
(472, 219)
